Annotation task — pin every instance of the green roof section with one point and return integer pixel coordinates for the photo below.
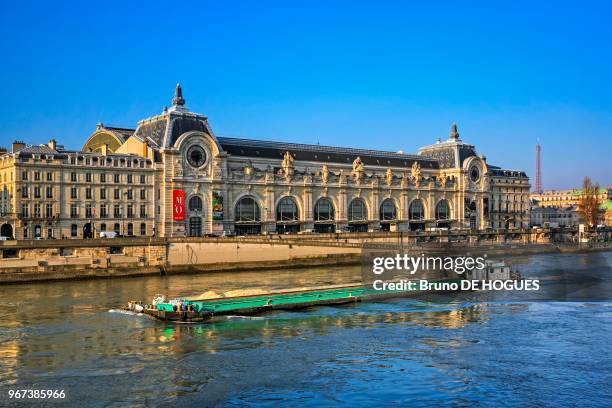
(578, 191)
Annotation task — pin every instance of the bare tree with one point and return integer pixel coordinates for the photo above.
(588, 203)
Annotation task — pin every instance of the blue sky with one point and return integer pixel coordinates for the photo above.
(386, 75)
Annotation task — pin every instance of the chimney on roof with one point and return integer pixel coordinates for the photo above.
(145, 149)
(52, 144)
(99, 125)
(17, 145)
(178, 96)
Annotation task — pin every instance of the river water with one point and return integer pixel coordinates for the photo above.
(468, 349)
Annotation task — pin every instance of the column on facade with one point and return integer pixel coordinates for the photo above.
(307, 203)
(374, 223)
(431, 205)
(403, 212)
(342, 216)
(228, 210)
(269, 211)
(170, 227)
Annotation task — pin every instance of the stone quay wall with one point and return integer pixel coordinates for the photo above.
(74, 259)
(24, 261)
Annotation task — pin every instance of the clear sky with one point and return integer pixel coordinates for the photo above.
(385, 75)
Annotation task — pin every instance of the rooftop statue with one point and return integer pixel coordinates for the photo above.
(443, 179)
(357, 165)
(389, 177)
(324, 173)
(416, 173)
(287, 164)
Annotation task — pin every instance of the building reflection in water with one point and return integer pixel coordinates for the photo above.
(253, 332)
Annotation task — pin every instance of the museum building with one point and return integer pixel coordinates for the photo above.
(171, 176)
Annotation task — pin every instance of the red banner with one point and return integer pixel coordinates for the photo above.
(178, 205)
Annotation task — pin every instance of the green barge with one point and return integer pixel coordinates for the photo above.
(201, 310)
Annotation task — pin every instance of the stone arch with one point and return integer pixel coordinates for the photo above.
(334, 208)
(368, 210)
(212, 143)
(258, 199)
(396, 206)
(300, 212)
(297, 200)
(423, 204)
(6, 230)
(286, 225)
(259, 211)
(450, 208)
(195, 203)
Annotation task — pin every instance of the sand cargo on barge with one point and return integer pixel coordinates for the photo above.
(194, 310)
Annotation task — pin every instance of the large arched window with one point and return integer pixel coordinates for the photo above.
(442, 210)
(247, 210)
(324, 210)
(358, 210)
(287, 210)
(195, 203)
(416, 210)
(387, 210)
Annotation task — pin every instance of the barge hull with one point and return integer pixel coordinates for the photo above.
(203, 310)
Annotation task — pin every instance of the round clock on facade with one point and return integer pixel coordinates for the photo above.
(474, 174)
(196, 156)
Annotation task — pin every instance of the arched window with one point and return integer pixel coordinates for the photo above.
(387, 210)
(287, 210)
(357, 210)
(195, 203)
(442, 210)
(416, 210)
(324, 210)
(247, 210)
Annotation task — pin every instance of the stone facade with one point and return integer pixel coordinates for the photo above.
(195, 183)
(562, 201)
(566, 198)
(554, 216)
(49, 192)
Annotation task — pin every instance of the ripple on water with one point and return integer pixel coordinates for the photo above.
(464, 350)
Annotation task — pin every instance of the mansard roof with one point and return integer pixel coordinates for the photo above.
(38, 149)
(451, 152)
(165, 129)
(317, 153)
(499, 172)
